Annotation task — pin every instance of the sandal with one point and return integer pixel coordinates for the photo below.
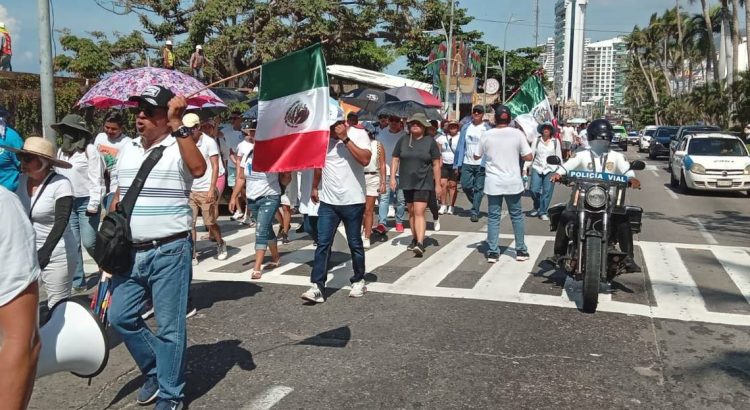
(255, 274)
(273, 265)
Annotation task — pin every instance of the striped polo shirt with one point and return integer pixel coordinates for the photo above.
(162, 208)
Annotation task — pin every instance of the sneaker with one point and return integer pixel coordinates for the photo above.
(238, 216)
(358, 289)
(366, 243)
(149, 312)
(148, 392)
(391, 212)
(474, 218)
(381, 229)
(195, 261)
(436, 225)
(533, 213)
(544, 217)
(285, 239)
(449, 211)
(221, 250)
(400, 228)
(247, 220)
(169, 405)
(191, 310)
(411, 245)
(313, 295)
(522, 256)
(442, 210)
(492, 257)
(418, 250)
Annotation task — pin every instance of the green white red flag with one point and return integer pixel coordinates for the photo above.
(530, 106)
(293, 128)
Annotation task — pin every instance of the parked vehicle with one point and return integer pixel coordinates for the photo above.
(659, 146)
(646, 135)
(633, 137)
(711, 162)
(620, 137)
(591, 254)
(685, 130)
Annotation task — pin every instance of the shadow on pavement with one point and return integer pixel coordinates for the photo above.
(728, 222)
(205, 294)
(338, 337)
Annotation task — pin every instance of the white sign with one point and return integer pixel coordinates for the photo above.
(492, 86)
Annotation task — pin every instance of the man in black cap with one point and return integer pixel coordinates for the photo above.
(472, 169)
(160, 226)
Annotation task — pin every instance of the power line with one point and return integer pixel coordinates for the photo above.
(551, 26)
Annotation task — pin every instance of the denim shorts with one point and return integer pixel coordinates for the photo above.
(264, 210)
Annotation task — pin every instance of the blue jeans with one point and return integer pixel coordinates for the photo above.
(385, 201)
(264, 210)
(310, 224)
(541, 191)
(162, 275)
(84, 230)
(494, 204)
(107, 201)
(472, 182)
(329, 217)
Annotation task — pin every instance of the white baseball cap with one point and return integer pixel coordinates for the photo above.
(191, 120)
(169, 42)
(199, 47)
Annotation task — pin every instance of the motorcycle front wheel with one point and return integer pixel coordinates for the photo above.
(592, 273)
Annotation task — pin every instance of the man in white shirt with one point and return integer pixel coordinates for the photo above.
(245, 149)
(502, 147)
(568, 137)
(109, 143)
(340, 189)
(233, 136)
(472, 169)
(204, 196)
(389, 137)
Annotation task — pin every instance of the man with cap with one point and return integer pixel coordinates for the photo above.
(9, 164)
(472, 169)
(501, 148)
(87, 178)
(204, 196)
(168, 55)
(340, 189)
(6, 49)
(196, 62)
(160, 227)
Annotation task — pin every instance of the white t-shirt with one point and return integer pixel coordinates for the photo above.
(86, 176)
(109, 150)
(245, 147)
(306, 205)
(568, 134)
(502, 149)
(17, 248)
(258, 184)
(448, 147)
(208, 147)
(223, 149)
(389, 140)
(233, 139)
(343, 181)
(473, 133)
(543, 150)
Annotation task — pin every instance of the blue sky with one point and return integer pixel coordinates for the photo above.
(605, 19)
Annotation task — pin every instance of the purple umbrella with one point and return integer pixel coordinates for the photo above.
(113, 91)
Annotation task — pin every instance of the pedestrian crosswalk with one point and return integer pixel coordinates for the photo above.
(703, 283)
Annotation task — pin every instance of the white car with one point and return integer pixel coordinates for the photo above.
(711, 162)
(647, 134)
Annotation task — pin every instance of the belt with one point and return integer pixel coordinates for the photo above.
(371, 173)
(145, 246)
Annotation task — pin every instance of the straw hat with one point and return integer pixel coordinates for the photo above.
(41, 148)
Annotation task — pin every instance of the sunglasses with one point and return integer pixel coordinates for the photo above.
(25, 158)
(477, 112)
(147, 110)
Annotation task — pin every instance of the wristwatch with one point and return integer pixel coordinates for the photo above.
(346, 140)
(182, 132)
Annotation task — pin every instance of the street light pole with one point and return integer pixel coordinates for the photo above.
(449, 57)
(486, 66)
(46, 79)
(505, 36)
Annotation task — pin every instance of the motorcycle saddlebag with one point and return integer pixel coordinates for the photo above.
(554, 213)
(634, 214)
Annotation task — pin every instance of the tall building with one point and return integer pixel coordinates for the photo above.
(548, 59)
(605, 64)
(570, 19)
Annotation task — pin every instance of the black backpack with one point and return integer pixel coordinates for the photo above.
(113, 251)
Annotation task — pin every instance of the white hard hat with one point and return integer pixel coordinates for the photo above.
(169, 42)
(199, 47)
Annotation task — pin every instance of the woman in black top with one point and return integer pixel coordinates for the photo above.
(416, 159)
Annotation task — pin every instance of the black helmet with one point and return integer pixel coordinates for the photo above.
(502, 114)
(599, 129)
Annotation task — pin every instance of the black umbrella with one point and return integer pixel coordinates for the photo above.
(406, 109)
(364, 115)
(230, 95)
(367, 98)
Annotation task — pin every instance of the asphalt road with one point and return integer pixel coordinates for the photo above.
(451, 331)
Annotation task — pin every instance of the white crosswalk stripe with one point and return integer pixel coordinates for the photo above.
(673, 293)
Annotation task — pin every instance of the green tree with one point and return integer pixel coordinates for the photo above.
(93, 56)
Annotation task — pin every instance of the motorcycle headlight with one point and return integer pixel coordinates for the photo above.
(698, 169)
(596, 197)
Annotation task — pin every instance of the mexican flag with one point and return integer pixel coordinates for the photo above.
(293, 126)
(530, 107)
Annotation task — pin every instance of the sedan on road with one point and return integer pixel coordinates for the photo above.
(645, 140)
(711, 162)
(659, 146)
(686, 130)
(620, 137)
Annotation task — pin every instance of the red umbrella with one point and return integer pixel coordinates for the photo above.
(415, 94)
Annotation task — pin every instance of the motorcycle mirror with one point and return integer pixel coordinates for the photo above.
(637, 165)
(554, 160)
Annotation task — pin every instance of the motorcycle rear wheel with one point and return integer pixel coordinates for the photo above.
(592, 273)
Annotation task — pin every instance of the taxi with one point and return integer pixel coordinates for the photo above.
(711, 162)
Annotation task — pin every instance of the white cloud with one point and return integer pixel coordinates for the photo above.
(28, 55)
(11, 24)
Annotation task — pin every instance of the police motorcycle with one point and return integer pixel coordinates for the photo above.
(596, 198)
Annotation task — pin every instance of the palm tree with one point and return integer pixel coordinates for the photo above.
(744, 4)
(708, 25)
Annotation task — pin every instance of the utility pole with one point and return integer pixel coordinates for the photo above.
(536, 24)
(45, 72)
(449, 57)
(486, 66)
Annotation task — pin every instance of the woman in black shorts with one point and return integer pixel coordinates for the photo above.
(448, 143)
(416, 159)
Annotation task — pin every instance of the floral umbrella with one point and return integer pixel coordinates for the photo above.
(113, 91)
